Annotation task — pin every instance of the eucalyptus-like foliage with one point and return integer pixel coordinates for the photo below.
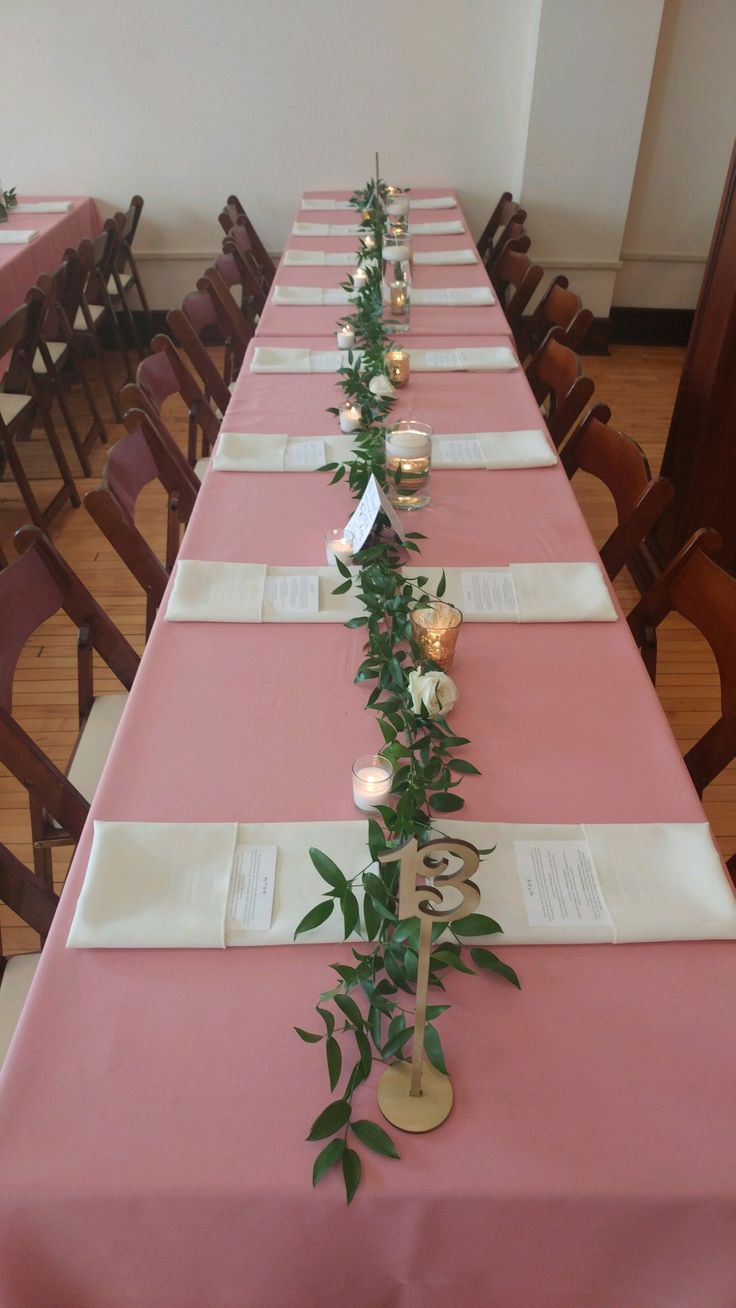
(366, 1016)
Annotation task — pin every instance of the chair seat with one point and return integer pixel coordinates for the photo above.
(95, 312)
(94, 743)
(14, 986)
(126, 280)
(55, 349)
(200, 468)
(11, 405)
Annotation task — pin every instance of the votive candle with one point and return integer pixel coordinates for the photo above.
(345, 336)
(339, 545)
(398, 366)
(350, 418)
(372, 781)
(360, 279)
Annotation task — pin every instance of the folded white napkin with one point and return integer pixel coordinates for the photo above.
(152, 885)
(45, 206)
(494, 358)
(453, 297)
(167, 885)
(246, 452)
(527, 592)
(325, 229)
(436, 257)
(320, 258)
(443, 202)
(454, 228)
(493, 449)
(310, 295)
(241, 592)
(16, 236)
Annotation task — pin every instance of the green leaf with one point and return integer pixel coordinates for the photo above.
(331, 1154)
(396, 1042)
(330, 1120)
(376, 838)
(338, 476)
(350, 912)
(342, 588)
(441, 585)
(350, 1173)
(356, 622)
(342, 568)
(445, 802)
(371, 918)
(462, 765)
(446, 958)
(315, 917)
(487, 960)
(308, 1036)
(433, 1049)
(374, 1137)
(435, 1010)
(334, 1061)
(349, 1009)
(327, 1018)
(475, 924)
(328, 870)
(366, 1056)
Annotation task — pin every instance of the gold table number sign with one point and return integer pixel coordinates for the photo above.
(415, 1096)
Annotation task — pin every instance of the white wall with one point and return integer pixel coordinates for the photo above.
(591, 82)
(686, 144)
(186, 101)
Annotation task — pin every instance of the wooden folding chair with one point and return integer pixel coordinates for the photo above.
(616, 460)
(22, 402)
(102, 290)
(235, 222)
(33, 589)
(49, 364)
(136, 460)
(513, 231)
(694, 586)
(505, 210)
(517, 278)
(238, 268)
(35, 904)
(558, 385)
(126, 277)
(163, 374)
(189, 325)
(234, 325)
(558, 307)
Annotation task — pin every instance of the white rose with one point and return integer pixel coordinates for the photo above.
(381, 385)
(435, 690)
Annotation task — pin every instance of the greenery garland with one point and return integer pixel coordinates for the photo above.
(427, 774)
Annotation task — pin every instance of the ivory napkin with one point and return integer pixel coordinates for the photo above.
(310, 295)
(443, 202)
(527, 592)
(325, 229)
(454, 296)
(496, 358)
(155, 885)
(444, 256)
(17, 236)
(243, 452)
(240, 592)
(320, 259)
(493, 449)
(45, 206)
(454, 228)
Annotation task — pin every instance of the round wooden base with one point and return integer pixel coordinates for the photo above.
(414, 1113)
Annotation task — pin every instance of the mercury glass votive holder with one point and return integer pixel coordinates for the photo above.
(397, 362)
(435, 630)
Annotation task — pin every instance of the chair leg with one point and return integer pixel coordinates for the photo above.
(57, 451)
(70, 424)
(118, 335)
(43, 864)
(23, 484)
(135, 335)
(141, 296)
(97, 422)
(99, 354)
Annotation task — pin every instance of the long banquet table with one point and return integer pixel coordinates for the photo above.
(154, 1104)
(21, 265)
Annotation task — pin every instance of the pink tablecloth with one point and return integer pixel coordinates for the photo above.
(154, 1105)
(20, 265)
(281, 320)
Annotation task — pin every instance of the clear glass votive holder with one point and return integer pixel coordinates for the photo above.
(435, 630)
(339, 545)
(372, 780)
(409, 464)
(396, 283)
(396, 206)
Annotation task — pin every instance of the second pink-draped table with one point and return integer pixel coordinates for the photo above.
(22, 264)
(586, 1160)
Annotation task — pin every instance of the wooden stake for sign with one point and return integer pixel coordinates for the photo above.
(415, 1096)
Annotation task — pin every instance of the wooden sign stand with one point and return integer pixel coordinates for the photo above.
(415, 1096)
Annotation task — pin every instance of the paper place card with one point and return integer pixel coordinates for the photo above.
(560, 884)
(293, 593)
(490, 591)
(304, 454)
(458, 450)
(371, 503)
(252, 886)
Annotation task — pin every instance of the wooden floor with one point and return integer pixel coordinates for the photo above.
(638, 383)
